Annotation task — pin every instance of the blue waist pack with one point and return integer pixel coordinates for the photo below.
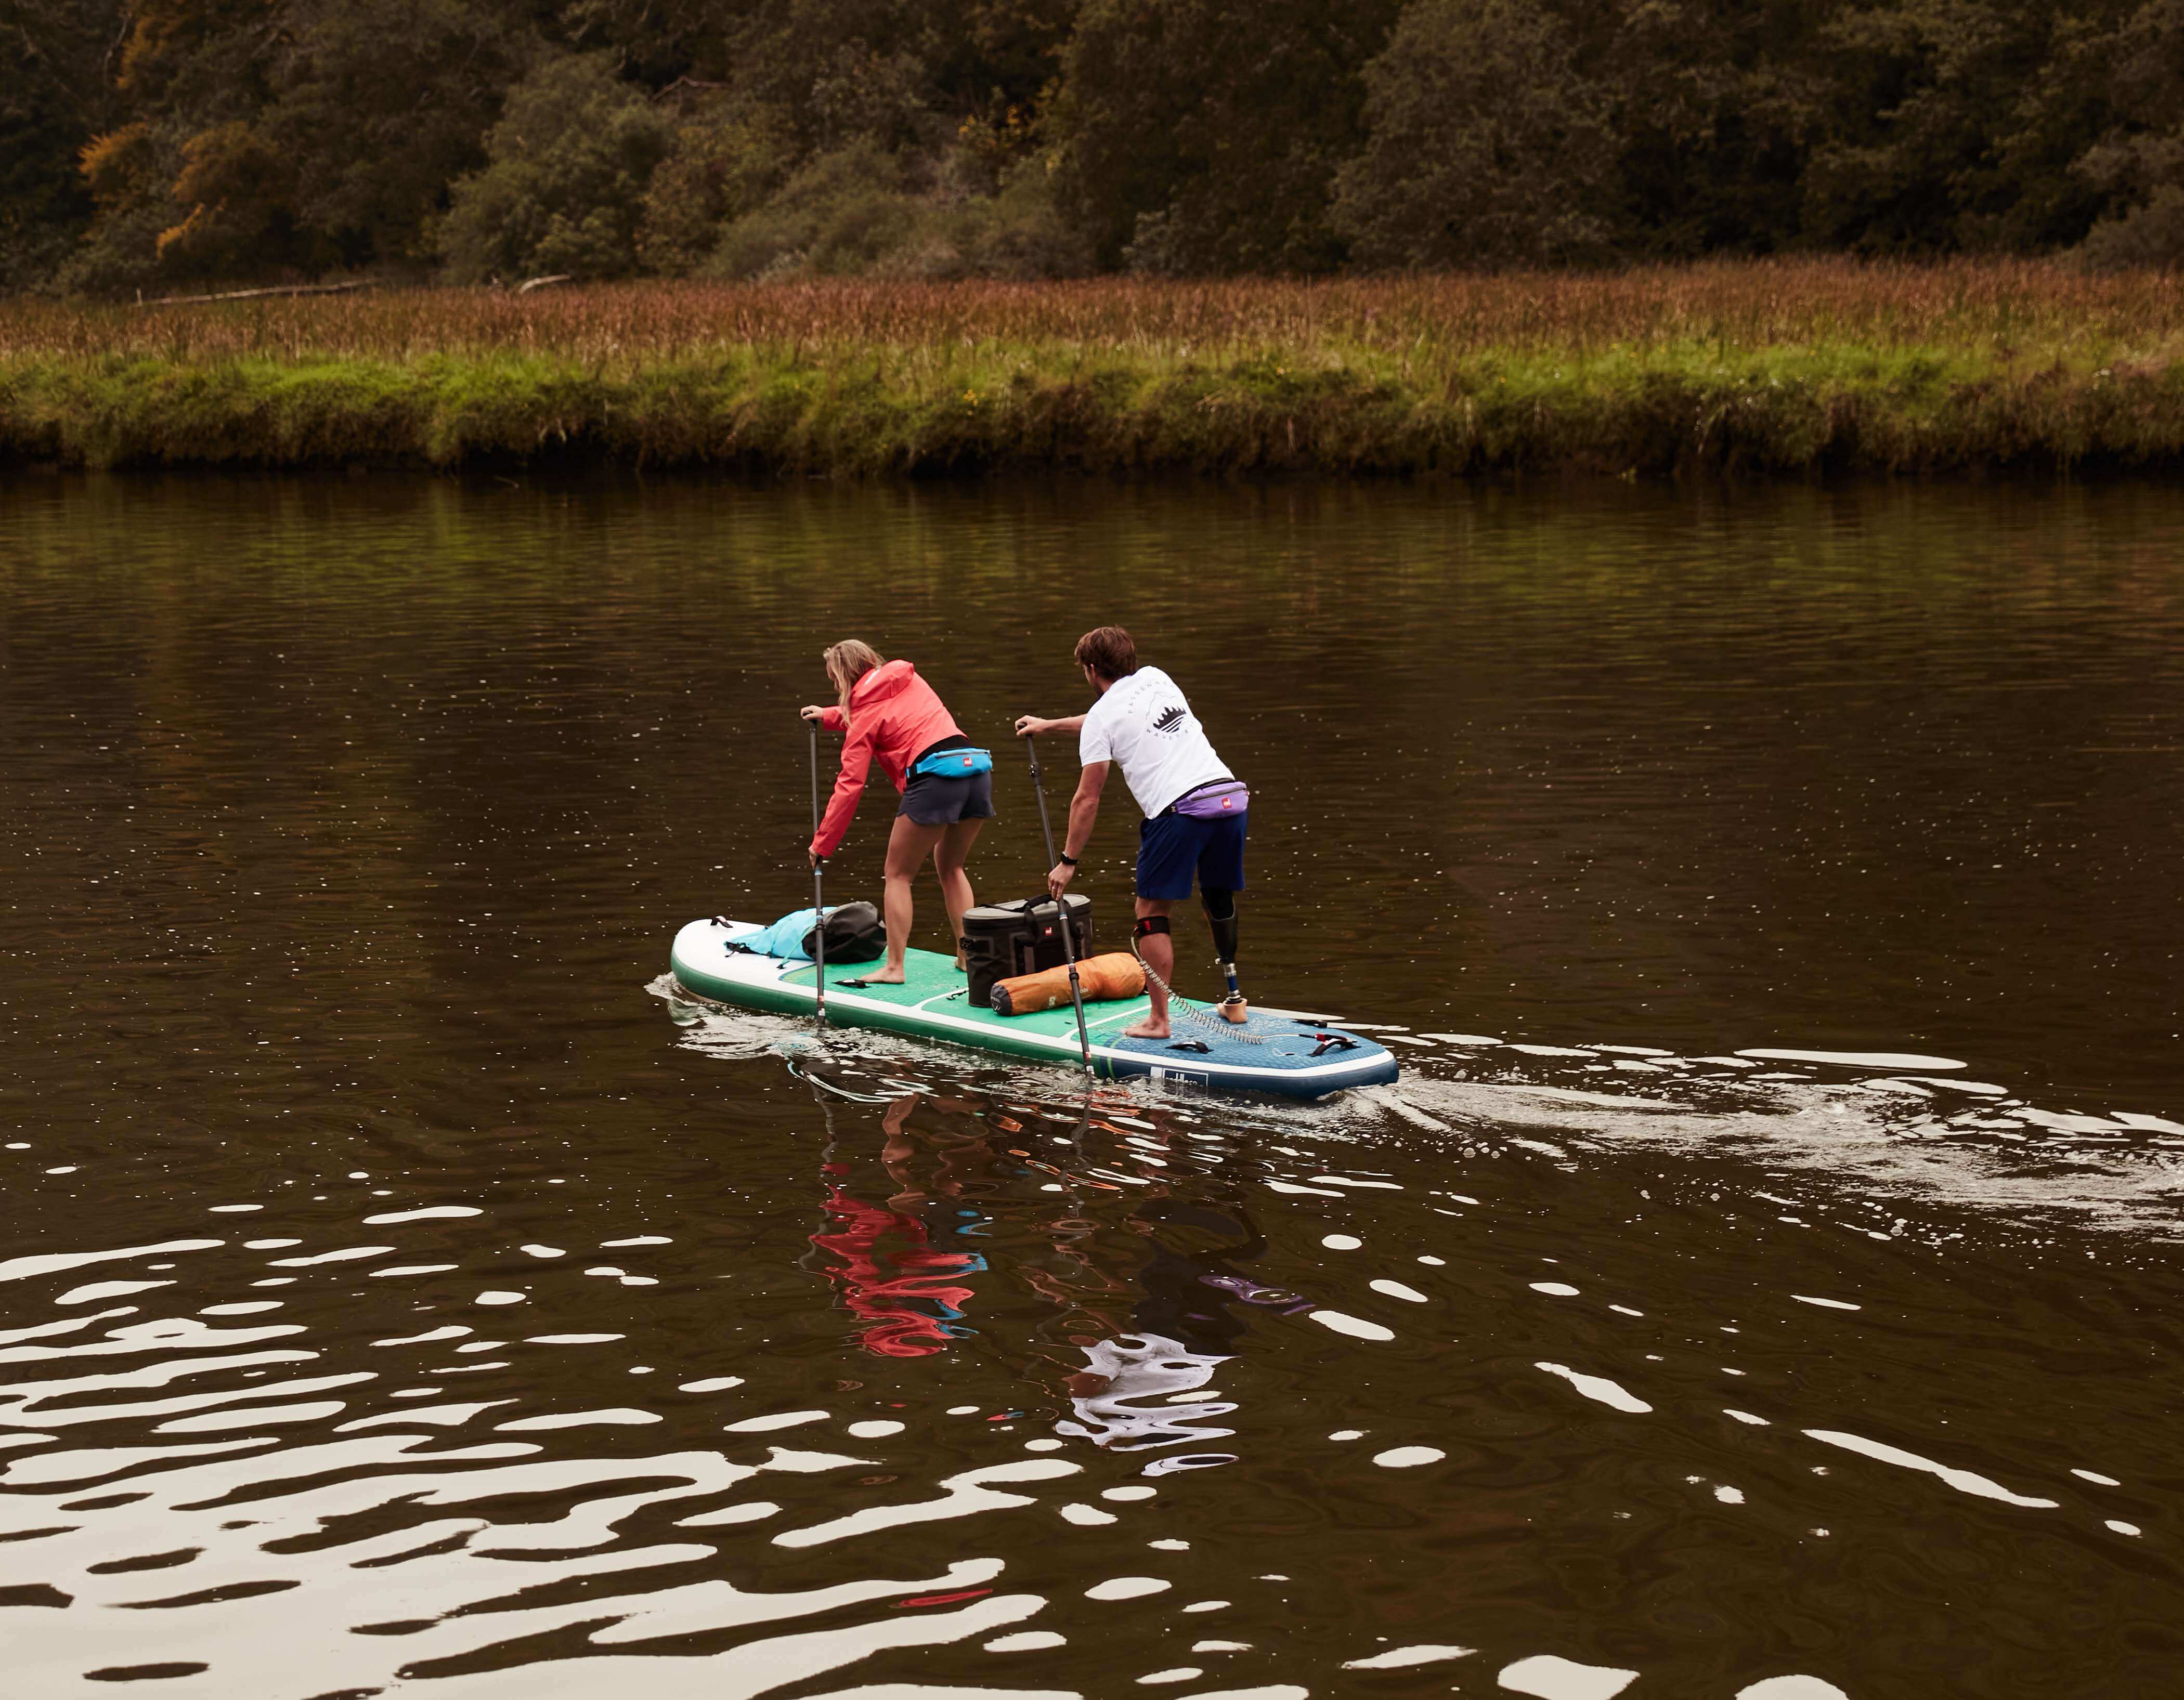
(958, 762)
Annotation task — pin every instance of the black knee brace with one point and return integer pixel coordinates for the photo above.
(1221, 915)
(1150, 924)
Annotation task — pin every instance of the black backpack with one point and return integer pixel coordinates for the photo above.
(854, 933)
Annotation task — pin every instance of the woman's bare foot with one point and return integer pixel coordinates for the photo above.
(885, 976)
(1147, 1029)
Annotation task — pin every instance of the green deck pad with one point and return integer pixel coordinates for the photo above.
(928, 977)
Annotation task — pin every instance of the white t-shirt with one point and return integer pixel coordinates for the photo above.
(1145, 726)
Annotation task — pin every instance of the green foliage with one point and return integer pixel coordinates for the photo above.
(380, 105)
(239, 190)
(854, 211)
(722, 165)
(1487, 145)
(2151, 234)
(1203, 135)
(657, 42)
(1712, 108)
(125, 171)
(990, 58)
(2138, 162)
(156, 141)
(194, 72)
(568, 165)
(53, 103)
(326, 136)
(1933, 137)
(846, 212)
(839, 72)
(1018, 231)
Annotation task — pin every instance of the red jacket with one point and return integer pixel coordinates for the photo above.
(894, 717)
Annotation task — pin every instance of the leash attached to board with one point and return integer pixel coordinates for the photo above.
(1062, 908)
(818, 897)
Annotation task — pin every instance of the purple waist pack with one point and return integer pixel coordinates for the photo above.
(1210, 803)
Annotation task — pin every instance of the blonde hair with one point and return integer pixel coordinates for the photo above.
(847, 662)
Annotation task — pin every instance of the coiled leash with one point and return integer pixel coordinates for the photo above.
(1197, 1014)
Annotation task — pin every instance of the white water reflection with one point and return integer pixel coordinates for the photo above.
(1964, 1480)
(1113, 1397)
(2003, 1156)
(2115, 1171)
(1599, 1389)
(425, 1541)
(1549, 1676)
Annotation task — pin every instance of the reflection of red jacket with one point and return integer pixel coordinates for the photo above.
(894, 717)
(885, 1288)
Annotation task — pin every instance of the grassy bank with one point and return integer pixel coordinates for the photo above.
(1778, 367)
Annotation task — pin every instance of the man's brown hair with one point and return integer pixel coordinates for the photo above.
(1108, 652)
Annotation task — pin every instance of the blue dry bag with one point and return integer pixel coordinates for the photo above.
(784, 938)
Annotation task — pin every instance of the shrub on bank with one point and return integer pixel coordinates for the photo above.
(563, 189)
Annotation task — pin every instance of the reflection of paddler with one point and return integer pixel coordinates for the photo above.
(1188, 1293)
(1185, 1330)
(1109, 1394)
(904, 1293)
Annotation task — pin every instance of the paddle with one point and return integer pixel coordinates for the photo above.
(818, 899)
(1062, 908)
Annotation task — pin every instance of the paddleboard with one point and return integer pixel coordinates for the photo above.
(1282, 1052)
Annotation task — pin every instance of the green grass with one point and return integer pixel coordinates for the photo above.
(1762, 369)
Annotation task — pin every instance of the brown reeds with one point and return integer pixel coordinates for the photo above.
(2005, 306)
(1777, 365)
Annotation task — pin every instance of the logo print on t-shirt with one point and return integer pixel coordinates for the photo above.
(1170, 720)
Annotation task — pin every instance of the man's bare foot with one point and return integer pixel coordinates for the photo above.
(1147, 1029)
(886, 976)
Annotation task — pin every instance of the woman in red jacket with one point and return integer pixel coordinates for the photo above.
(893, 717)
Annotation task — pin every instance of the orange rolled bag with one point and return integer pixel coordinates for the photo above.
(1116, 974)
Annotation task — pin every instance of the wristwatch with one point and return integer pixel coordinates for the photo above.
(1069, 858)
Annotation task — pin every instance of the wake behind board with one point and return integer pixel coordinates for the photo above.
(1294, 1056)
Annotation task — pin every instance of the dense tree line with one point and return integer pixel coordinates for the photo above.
(144, 142)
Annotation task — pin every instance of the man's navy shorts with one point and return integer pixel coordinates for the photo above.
(1173, 847)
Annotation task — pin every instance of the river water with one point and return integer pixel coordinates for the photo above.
(1763, 1281)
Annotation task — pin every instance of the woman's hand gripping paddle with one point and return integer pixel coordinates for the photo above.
(1062, 908)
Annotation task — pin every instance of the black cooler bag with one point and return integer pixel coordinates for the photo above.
(1001, 941)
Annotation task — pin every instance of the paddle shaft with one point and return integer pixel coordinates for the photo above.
(1062, 906)
(818, 889)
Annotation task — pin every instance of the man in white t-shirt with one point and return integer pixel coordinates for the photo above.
(1196, 811)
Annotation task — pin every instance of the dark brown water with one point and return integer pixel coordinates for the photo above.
(402, 1294)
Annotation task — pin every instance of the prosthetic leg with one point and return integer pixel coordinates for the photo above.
(1221, 915)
